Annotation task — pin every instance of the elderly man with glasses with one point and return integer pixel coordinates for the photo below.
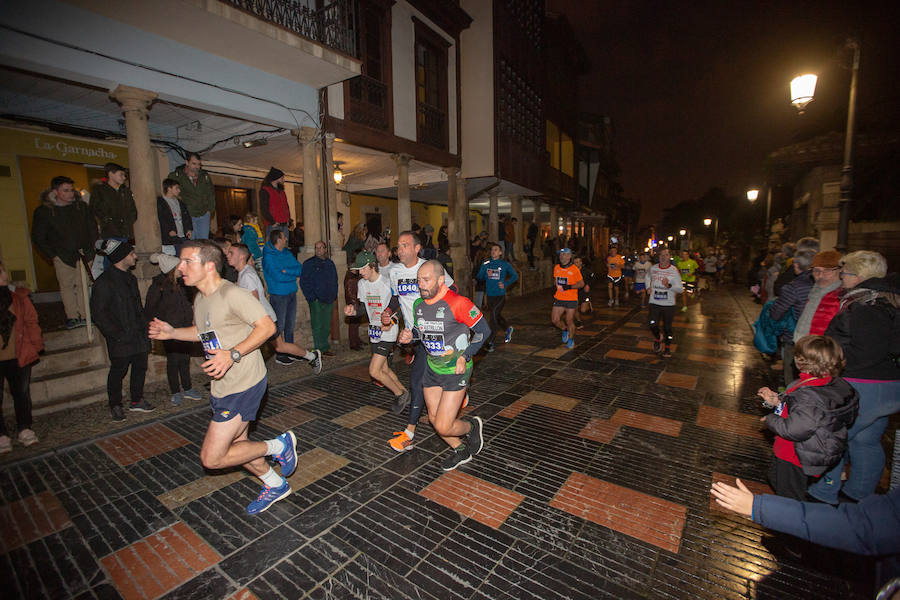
(823, 301)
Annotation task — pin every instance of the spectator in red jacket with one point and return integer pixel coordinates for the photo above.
(273, 202)
(20, 343)
(823, 301)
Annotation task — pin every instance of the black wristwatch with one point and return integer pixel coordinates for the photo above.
(235, 355)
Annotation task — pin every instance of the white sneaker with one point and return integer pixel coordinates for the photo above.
(5, 444)
(27, 437)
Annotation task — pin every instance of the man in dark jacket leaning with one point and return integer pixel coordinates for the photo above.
(63, 230)
(112, 204)
(793, 297)
(117, 309)
(319, 284)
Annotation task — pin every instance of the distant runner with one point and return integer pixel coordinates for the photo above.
(663, 283)
(687, 267)
(614, 264)
(565, 300)
(497, 275)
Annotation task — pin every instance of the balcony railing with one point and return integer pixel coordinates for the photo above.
(368, 102)
(432, 126)
(330, 26)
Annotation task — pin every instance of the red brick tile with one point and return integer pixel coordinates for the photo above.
(713, 360)
(626, 355)
(133, 446)
(688, 382)
(30, 519)
(243, 594)
(653, 520)
(473, 497)
(358, 372)
(754, 486)
(599, 430)
(731, 421)
(648, 422)
(514, 409)
(159, 563)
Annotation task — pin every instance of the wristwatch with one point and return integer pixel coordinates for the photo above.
(235, 355)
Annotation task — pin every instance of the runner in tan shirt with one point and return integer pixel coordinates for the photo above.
(232, 325)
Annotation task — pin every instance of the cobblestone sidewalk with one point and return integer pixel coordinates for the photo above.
(593, 483)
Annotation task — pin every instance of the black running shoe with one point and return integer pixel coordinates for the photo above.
(142, 406)
(475, 439)
(667, 353)
(400, 403)
(458, 456)
(657, 345)
(116, 413)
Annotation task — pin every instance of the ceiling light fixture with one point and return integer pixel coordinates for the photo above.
(254, 143)
(338, 175)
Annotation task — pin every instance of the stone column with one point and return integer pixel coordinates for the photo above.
(404, 212)
(338, 256)
(135, 104)
(516, 213)
(493, 217)
(312, 223)
(554, 221)
(456, 230)
(536, 219)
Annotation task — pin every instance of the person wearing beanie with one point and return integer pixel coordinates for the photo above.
(168, 300)
(823, 301)
(116, 308)
(273, 202)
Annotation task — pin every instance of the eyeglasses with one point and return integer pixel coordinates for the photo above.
(821, 270)
(847, 274)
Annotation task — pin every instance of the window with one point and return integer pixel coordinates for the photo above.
(560, 149)
(369, 103)
(431, 87)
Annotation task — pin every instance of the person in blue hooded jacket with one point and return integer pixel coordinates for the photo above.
(319, 285)
(498, 275)
(281, 271)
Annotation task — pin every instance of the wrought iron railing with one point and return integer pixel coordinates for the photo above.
(432, 126)
(368, 102)
(332, 25)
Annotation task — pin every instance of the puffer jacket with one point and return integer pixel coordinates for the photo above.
(793, 297)
(868, 329)
(29, 342)
(817, 423)
(114, 210)
(117, 310)
(63, 231)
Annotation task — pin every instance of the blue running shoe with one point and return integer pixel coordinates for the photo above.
(570, 344)
(287, 458)
(509, 332)
(565, 335)
(267, 497)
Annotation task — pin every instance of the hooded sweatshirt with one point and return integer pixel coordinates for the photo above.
(281, 270)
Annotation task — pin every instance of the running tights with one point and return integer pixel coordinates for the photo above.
(495, 316)
(666, 314)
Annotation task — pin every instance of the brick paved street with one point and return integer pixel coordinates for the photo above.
(593, 483)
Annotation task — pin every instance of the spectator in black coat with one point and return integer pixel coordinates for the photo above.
(793, 297)
(168, 300)
(175, 224)
(116, 308)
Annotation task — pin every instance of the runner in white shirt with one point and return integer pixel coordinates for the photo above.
(375, 295)
(663, 283)
(405, 289)
(239, 257)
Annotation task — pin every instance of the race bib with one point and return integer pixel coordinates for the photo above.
(685, 271)
(493, 274)
(434, 343)
(660, 295)
(374, 333)
(210, 342)
(613, 266)
(561, 281)
(779, 409)
(407, 286)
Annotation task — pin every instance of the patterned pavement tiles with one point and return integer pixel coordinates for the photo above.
(593, 483)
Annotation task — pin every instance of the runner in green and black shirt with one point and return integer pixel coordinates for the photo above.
(442, 320)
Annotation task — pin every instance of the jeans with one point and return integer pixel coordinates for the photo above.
(285, 308)
(118, 366)
(201, 227)
(479, 298)
(877, 401)
(19, 379)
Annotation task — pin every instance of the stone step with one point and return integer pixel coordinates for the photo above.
(63, 339)
(48, 389)
(72, 401)
(69, 359)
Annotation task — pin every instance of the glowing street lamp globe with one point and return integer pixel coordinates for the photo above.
(670, 238)
(682, 232)
(803, 90)
(707, 222)
(752, 195)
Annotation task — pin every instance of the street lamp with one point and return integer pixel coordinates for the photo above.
(752, 195)
(670, 238)
(804, 97)
(682, 232)
(709, 222)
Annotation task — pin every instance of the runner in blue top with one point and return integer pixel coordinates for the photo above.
(497, 275)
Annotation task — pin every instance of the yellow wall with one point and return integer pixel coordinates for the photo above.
(67, 153)
(433, 214)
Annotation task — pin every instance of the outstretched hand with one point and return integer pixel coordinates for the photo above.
(736, 499)
(160, 330)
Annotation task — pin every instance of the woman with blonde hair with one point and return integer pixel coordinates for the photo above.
(867, 326)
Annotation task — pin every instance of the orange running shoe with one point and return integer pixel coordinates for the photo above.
(465, 401)
(401, 443)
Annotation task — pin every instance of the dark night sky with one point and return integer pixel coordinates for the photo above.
(698, 90)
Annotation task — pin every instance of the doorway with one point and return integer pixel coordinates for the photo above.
(231, 201)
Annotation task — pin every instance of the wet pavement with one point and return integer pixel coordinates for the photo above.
(593, 483)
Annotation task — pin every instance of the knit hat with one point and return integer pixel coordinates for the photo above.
(827, 259)
(166, 262)
(274, 174)
(114, 250)
(363, 259)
